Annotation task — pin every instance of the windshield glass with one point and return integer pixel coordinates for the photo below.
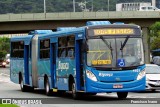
(152, 70)
(131, 53)
(99, 54)
(111, 55)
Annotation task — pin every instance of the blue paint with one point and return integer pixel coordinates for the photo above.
(78, 84)
(26, 64)
(106, 80)
(65, 28)
(89, 23)
(27, 39)
(16, 66)
(53, 64)
(62, 84)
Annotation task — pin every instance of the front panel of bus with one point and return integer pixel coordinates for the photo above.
(114, 59)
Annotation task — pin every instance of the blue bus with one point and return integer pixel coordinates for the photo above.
(96, 58)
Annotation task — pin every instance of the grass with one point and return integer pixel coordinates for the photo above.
(8, 105)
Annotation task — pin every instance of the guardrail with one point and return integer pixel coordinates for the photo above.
(79, 15)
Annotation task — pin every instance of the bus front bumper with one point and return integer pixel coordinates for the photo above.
(98, 87)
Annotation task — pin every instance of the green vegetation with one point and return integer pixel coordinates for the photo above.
(155, 35)
(8, 105)
(36, 6)
(4, 46)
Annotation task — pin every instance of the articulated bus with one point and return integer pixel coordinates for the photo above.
(97, 58)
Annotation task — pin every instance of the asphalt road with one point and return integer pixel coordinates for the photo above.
(11, 90)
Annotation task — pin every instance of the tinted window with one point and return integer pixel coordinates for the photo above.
(66, 46)
(44, 49)
(17, 49)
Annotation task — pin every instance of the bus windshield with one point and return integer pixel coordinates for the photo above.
(102, 54)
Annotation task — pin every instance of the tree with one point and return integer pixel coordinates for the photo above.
(155, 30)
(4, 46)
(155, 44)
(155, 35)
(36, 6)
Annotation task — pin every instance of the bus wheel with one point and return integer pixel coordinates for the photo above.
(47, 87)
(74, 93)
(91, 93)
(122, 95)
(153, 90)
(23, 87)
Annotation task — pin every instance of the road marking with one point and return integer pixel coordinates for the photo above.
(129, 96)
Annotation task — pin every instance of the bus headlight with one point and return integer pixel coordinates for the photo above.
(90, 75)
(141, 74)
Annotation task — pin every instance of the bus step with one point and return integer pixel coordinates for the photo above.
(81, 91)
(55, 90)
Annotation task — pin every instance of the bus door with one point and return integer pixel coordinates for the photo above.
(53, 62)
(79, 65)
(26, 63)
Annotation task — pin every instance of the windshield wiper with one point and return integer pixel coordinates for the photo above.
(124, 43)
(109, 46)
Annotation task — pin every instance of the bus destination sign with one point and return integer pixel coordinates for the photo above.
(113, 31)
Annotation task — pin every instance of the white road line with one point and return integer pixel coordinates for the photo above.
(129, 96)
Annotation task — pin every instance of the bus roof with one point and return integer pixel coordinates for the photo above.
(116, 25)
(26, 39)
(65, 28)
(90, 23)
(62, 32)
(40, 32)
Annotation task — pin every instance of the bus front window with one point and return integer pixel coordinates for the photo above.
(131, 52)
(99, 54)
(107, 52)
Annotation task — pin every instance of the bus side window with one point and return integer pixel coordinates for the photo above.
(44, 49)
(71, 46)
(62, 47)
(17, 49)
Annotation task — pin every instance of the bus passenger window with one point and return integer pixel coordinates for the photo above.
(70, 46)
(62, 47)
(62, 53)
(17, 49)
(44, 49)
(70, 52)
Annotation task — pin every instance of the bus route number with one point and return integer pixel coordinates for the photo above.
(101, 62)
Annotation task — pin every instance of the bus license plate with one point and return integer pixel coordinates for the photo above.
(117, 86)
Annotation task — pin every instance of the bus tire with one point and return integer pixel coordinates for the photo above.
(153, 90)
(22, 86)
(91, 93)
(122, 95)
(75, 94)
(47, 87)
